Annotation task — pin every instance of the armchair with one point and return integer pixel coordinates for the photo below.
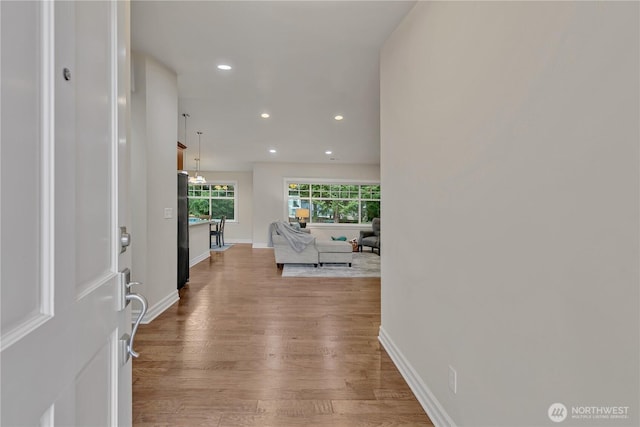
(371, 237)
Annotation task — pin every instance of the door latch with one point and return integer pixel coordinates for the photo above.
(125, 239)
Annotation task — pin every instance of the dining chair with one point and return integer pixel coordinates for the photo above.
(218, 231)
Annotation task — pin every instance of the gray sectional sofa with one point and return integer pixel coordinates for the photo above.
(315, 251)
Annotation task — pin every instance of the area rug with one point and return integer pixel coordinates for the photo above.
(222, 248)
(365, 264)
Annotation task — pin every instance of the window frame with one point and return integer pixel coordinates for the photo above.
(330, 181)
(210, 198)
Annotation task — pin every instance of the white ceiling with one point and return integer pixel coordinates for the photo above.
(303, 62)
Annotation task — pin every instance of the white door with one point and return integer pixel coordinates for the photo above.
(64, 161)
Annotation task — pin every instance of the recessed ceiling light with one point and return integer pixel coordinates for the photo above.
(265, 115)
(224, 67)
(328, 152)
(338, 117)
(272, 151)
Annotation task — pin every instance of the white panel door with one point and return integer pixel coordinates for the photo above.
(64, 160)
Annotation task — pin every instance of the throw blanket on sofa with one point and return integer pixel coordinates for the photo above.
(298, 240)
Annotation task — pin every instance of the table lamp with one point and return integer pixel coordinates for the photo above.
(301, 214)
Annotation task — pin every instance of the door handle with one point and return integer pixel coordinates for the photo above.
(124, 297)
(143, 310)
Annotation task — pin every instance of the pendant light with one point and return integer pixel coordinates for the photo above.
(198, 179)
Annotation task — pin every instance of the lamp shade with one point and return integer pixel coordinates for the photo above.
(302, 213)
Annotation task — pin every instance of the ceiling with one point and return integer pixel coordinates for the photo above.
(302, 62)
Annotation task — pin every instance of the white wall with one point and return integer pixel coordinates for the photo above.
(199, 238)
(139, 172)
(154, 105)
(513, 129)
(269, 196)
(240, 231)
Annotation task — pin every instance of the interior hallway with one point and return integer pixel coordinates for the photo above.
(246, 347)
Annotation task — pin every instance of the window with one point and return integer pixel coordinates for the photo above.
(335, 203)
(213, 200)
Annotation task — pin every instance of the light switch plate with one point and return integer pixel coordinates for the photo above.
(168, 213)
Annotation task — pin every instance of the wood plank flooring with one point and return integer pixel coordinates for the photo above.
(247, 347)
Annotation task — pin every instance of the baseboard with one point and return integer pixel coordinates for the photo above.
(430, 404)
(239, 241)
(157, 309)
(199, 258)
(261, 245)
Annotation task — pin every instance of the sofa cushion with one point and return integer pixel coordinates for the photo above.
(333, 246)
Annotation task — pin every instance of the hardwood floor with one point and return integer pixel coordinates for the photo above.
(247, 347)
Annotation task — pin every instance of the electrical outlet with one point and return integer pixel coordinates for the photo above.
(453, 380)
(168, 213)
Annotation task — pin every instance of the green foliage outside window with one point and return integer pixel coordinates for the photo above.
(198, 207)
(370, 210)
(222, 207)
